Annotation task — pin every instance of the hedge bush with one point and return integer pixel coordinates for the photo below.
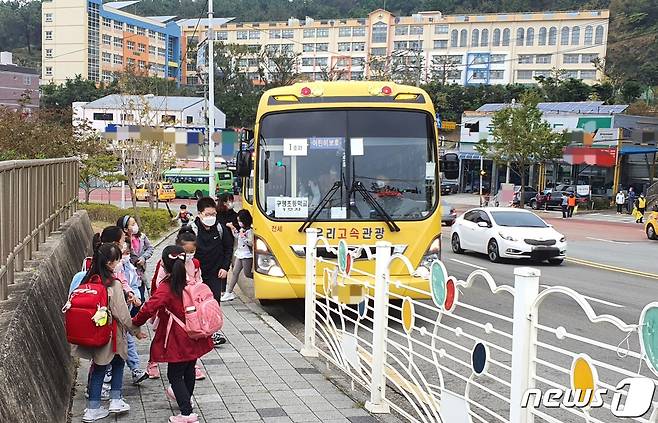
(154, 223)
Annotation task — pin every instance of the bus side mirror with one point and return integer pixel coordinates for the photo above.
(243, 164)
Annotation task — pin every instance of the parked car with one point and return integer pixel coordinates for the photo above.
(448, 213)
(507, 233)
(448, 188)
(165, 192)
(528, 193)
(651, 227)
(552, 198)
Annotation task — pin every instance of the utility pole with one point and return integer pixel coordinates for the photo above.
(211, 102)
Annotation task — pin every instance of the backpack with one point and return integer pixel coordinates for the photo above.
(79, 311)
(203, 316)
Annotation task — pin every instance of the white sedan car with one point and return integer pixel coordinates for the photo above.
(507, 233)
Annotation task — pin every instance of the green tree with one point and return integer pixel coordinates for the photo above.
(96, 168)
(522, 137)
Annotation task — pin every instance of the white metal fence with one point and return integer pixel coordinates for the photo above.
(470, 350)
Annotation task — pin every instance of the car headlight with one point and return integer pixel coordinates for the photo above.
(266, 263)
(507, 237)
(563, 239)
(432, 254)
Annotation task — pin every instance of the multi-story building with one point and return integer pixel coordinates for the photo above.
(19, 86)
(464, 49)
(96, 40)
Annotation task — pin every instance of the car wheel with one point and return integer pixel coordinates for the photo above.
(198, 195)
(555, 261)
(651, 232)
(492, 251)
(533, 204)
(455, 244)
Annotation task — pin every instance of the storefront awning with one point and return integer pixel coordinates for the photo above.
(603, 157)
(638, 149)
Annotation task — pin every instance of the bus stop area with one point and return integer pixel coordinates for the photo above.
(257, 376)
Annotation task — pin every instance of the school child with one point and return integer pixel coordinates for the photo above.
(106, 258)
(141, 249)
(244, 255)
(187, 240)
(171, 343)
(183, 215)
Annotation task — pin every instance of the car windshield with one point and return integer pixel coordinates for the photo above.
(302, 155)
(517, 219)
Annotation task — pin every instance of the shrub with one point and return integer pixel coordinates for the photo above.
(601, 203)
(153, 223)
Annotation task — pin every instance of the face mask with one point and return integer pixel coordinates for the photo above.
(189, 256)
(134, 228)
(208, 220)
(241, 224)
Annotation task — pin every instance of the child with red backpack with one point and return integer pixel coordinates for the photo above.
(97, 318)
(188, 316)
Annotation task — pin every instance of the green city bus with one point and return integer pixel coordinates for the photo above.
(193, 183)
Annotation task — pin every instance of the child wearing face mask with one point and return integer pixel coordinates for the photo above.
(187, 240)
(225, 212)
(244, 255)
(141, 251)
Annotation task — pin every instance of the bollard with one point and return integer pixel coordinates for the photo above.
(309, 350)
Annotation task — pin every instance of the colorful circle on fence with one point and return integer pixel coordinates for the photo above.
(479, 358)
(438, 277)
(408, 316)
(348, 264)
(583, 376)
(362, 308)
(649, 336)
(451, 294)
(342, 255)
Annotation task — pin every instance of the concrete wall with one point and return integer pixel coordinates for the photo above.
(36, 368)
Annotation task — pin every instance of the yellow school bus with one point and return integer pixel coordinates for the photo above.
(356, 160)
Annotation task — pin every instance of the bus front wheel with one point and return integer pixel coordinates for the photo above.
(198, 195)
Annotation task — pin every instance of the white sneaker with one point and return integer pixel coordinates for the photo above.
(118, 406)
(139, 376)
(93, 414)
(228, 296)
(105, 394)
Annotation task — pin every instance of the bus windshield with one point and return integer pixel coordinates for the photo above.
(303, 154)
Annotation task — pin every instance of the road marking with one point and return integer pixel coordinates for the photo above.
(594, 299)
(469, 264)
(608, 240)
(612, 268)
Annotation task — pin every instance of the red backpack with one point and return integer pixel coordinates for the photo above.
(79, 310)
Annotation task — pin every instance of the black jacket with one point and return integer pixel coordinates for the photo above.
(213, 250)
(226, 216)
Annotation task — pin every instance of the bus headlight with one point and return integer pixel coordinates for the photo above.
(432, 254)
(266, 263)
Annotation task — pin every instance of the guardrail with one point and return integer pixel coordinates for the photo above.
(473, 351)
(36, 197)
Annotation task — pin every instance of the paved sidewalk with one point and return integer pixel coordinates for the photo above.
(256, 377)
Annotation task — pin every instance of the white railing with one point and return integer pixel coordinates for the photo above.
(438, 349)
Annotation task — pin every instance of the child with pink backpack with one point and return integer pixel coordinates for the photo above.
(188, 316)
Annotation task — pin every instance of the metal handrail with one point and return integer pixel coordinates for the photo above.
(36, 197)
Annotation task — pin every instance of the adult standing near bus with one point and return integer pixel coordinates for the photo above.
(631, 199)
(571, 202)
(620, 199)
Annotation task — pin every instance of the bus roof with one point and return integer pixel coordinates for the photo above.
(342, 94)
(190, 171)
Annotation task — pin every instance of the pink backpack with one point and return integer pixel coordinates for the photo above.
(203, 316)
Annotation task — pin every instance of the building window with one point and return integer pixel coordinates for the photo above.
(221, 35)
(552, 36)
(358, 31)
(107, 40)
(322, 33)
(48, 17)
(542, 36)
(475, 38)
(358, 61)
(126, 117)
(322, 47)
(496, 38)
(130, 28)
(575, 36)
(441, 29)
(358, 46)
(506, 36)
(118, 25)
(107, 22)
(168, 119)
(544, 73)
(141, 31)
(543, 59)
(49, 53)
(530, 37)
(497, 74)
(520, 33)
(308, 47)
(152, 34)
(588, 58)
(142, 64)
(309, 33)
(345, 32)
(524, 74)
(272, 48)
(275, 34)
(192, 80)
(571, 74)
(49, 35)
(570, 58)
(321, 61)
(107, 57)
(454, 74)
(288, 48)
(152, 50)
(344, 46)
(189, 119)
(307, 61)
(484, 38)
(401, 29)
(454, 37)
(118, 42)
(463, 38)
(440, 44)
(416, 30)
(241, 35)
(598, 37)
(118, 59)
(103, 116)
(287, 33)
(141, 47)
(162, 52)
(400, 45)
(254, 35)
(379, 32)
(587, 74)
(356, 76)
(161, 36)
(564, 36)
(131, 45)
(49, 71)
(378, 51)
(497, 58)
(525, 59)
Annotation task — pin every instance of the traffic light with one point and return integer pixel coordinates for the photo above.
(450, 165)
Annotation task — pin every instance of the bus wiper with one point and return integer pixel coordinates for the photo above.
(321, 205)
(357, 186)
